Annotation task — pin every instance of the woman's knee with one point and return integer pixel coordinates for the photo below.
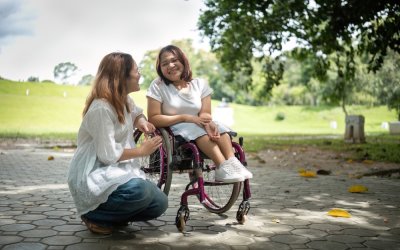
(159, 205)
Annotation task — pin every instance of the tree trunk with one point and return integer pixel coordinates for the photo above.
(344, 107)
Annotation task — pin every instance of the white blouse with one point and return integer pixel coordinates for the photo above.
(94, 172)
(184, 101)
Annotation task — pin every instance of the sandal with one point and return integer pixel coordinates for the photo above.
(96, 228)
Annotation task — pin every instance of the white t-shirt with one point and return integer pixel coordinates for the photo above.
(184, 101)
(178, 102)
(94, 172)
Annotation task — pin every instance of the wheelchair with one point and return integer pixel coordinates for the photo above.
(178, 156)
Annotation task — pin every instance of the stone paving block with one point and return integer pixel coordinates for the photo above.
(268, 245)
(32, 239)
(289, 239)
(61, 240)
(17, 227)
(38, 233)
(25, 245)
(8, 221)
(345, 238)
(326, 227)
(49, 222)
(236, 240)
(310, 233)
(360, 232)
(8, 239)
(384, 245)
(86, 246)
(29, 217)
(326, 245)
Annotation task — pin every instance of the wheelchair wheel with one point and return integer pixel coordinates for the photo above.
(220, 197)
(157, 165)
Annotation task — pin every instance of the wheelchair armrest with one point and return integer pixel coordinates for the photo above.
(232, 133)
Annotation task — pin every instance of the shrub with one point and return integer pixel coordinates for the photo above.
(280, 116)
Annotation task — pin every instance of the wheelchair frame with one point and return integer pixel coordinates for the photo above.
(177, 155)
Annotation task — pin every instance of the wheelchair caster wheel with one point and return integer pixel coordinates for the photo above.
(181, 223)
(181, 217)
(241, 215)
(241, 218)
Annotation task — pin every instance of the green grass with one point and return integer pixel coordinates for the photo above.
(53, 111)
(378, 147)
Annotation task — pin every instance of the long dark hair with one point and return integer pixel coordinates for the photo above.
(111, 83)
(187, 71)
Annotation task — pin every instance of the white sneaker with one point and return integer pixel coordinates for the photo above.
(228, 173)
(241, 169)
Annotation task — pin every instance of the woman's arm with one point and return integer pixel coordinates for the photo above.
(205, 110)
(143, 125)
(205, 114)
(146, 148)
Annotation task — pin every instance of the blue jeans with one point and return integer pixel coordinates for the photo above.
(136, 200)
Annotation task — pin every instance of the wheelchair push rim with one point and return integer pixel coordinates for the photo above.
(157, 165)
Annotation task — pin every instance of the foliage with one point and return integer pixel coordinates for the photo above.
(33, 79)
(280, 116)
(147, 67)
(328, 35)
(65, 70)
(388, 83)
(86, 79)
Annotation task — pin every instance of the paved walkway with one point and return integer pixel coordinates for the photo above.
(288, 212)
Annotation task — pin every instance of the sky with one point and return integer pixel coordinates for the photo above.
(36, 35)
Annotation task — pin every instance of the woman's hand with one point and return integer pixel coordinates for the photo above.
(149, 145)
(200, 121)
(145, 126)
(212, 131)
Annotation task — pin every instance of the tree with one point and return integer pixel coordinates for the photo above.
(147, 67)
(388, 83)
(33, 79)
(63, 71)
(328, 33)
(86, 79)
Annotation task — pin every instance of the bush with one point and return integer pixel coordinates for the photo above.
(280, 116)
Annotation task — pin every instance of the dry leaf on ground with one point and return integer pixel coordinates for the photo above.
(337, 212)
(308, 174)
(358, 189)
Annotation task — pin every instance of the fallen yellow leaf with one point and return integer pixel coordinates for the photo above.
(349, 160)
(50, 158)
(337, 212)
(358, 189)
(301, 170)
(308, 174)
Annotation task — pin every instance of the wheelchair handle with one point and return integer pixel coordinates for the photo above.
(241, 141)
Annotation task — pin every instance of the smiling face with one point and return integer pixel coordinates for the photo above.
(133, 79)
(171, 67)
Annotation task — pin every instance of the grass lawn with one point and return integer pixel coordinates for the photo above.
(54, 111)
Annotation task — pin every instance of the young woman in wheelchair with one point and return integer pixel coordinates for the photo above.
(182, 103)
